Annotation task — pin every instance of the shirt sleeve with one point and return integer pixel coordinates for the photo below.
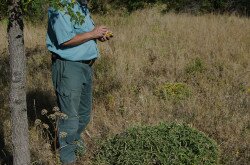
(62, 27)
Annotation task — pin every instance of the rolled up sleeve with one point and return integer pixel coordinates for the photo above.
(62, 27)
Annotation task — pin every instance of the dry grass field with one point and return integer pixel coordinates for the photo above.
(150, 53)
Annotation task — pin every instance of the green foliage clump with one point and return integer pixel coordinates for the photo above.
(208, 6)
(104, 6)
(173, 91)
(31, 9)
(132, 5)
(196, 66)
(166, 144)
(37, 9)
(34, 9)
(193, 6)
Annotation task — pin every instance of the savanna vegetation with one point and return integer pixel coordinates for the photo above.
(159, 68)
(35, 9)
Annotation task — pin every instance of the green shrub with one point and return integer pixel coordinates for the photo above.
(33, 10)
(36, 10)
(196, 66)
(208, 6)
(165, 144)
(173, 91)
(193, 6)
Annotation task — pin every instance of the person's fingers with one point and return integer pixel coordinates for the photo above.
(100, 33)
(107, 38)
(101, 39)
(103, 27)
(103, 33)
(100, 28)
(104, 30)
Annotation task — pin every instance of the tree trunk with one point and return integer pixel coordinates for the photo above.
(18, 106)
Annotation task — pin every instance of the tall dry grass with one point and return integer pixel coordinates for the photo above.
(210, 54)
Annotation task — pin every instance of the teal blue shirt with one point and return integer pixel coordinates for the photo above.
(61, 29)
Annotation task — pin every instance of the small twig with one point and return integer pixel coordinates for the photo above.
(56, 131)
(87, 133)
(34, 106)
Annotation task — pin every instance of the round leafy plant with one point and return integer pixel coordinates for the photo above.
(173, 91)
(164, 144)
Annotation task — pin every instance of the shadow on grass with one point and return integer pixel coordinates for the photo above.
(43, 100)
(5, 156)
(37, 100)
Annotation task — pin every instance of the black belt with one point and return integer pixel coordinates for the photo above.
(56, 56)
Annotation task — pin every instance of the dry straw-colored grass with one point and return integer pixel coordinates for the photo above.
(150, 49)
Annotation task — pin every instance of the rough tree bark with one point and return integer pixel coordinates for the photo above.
(18, 107)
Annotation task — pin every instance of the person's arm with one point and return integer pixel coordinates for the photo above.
(96, 33)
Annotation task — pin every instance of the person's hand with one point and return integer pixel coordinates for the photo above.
(103, 39)
(106, 37)
(99, 32)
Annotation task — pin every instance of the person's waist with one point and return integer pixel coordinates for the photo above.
(56, 56)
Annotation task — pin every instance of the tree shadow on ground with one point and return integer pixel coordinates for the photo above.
(37, 100)
(5, 155)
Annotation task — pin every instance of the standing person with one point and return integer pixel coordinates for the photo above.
(74, 50)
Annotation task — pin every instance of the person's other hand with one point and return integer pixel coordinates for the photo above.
(99, 32)
(106, 37)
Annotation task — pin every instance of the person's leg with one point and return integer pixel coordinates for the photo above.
(85, 103)
(68, 126)
(85, 109)
(69, 84)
